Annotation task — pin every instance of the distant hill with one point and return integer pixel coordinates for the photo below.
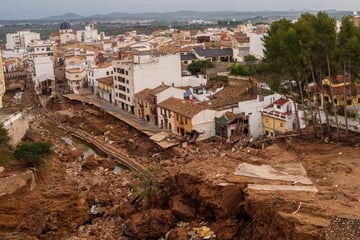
(67, 16)
(182, 16)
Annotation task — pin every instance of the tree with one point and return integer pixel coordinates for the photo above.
(199, 67)
(250, 58)
(349, 57)
(239, 70)
(33, 153)
(4, 137)
(146, 188)
(5, 147)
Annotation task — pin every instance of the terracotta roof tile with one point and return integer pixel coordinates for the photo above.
(143, 94)
(183, 107)
(106, 80)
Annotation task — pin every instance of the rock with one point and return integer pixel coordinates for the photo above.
(92, 162)
(98, 195)
(343, 227)
(227, 229)
(151, 223)
(178, 233)
(127, 210)
(181, 210)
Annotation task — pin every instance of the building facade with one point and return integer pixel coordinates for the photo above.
(143, 71)
(20, 39)
(278, 118)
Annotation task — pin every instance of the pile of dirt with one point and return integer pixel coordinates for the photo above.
(190, 190)
(50, 211)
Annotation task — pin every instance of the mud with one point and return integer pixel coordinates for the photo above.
(188, 188)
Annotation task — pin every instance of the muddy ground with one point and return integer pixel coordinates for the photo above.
(78, 198)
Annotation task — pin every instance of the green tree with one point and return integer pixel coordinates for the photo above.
(33, 153)
(239, 70)
(4, 137)
(250, 58)
(146, 188)
(349, 56)
(5, 147)
(199, 67)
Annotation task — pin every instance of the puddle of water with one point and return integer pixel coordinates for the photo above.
(87, 149)
(119, 168)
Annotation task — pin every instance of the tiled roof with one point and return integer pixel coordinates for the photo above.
(183, 107)
(281, 101)
(187, 56)
(158, 89)
(143, 94)
(106, 80)
(104, 65)
(340, 90)
(229, 96)
(241, 38)
(213, 52)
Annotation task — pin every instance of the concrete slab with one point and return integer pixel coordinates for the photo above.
(159, 136)
(293, 172)
(264, 187)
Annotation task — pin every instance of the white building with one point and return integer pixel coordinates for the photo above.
(89, 35)
(40, 48)
(20, 39)
(66, 33)
(252, 109)
(75, 72)
(145, 70)
(43, 75)
(94, 72)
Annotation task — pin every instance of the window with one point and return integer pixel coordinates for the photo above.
(349, 102)
(185, 120)
(335, 101)
(127, 90)
(127, 81)
(129, 99)
(107, 73)
(126, 73)
(122, 88)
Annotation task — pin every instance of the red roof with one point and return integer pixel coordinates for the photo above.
(281, 101)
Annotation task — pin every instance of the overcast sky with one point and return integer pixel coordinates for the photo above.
(25, 9)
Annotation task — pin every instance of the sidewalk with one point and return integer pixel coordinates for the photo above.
(128, 118)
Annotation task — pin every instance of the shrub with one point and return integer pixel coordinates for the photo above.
(199, 67)
(33, 153)
(239, 70)
(4, 137)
